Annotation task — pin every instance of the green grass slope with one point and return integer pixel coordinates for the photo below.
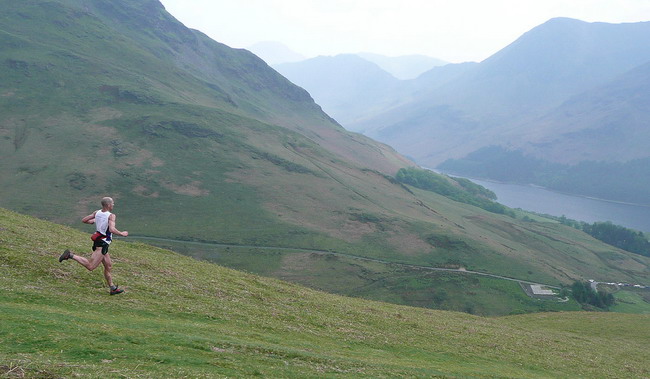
(182, 317)
(456, 235)
(120, 97)
(382, 281)
(632, 301)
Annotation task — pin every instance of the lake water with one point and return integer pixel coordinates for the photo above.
(541, 200)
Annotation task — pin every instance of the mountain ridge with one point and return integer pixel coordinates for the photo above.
(513, 83)
(403, 67)
(604, 109)
(345, 84)
(567, 92)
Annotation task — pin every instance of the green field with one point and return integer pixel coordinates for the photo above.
(632, 301)
(183, 317)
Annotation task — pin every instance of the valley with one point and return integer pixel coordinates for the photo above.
(545, 201)
(561, 107)
(200, 142)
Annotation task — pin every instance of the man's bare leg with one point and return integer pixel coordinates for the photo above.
(95, 260)
(92, 263)
(108, 265)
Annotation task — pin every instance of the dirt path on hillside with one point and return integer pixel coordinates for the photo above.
(461, 270)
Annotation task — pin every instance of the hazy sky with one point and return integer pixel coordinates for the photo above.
(452, 30)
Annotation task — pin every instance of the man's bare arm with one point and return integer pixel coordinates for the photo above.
(90, 219)
(113, 229)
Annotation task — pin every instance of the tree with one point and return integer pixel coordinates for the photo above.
(584, 294)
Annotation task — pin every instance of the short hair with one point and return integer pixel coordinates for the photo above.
(106, 201)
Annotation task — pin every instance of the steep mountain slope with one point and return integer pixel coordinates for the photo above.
(348, 87)
(175, 108)
(609, 122)
(594, 144)
(403, 98)
(553, 61)
(200, 142)
(524, 81)
(183, 318)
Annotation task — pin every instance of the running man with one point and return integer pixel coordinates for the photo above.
(104, 222)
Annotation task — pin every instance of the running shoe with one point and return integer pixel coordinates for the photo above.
(66, 255)
(116, 291)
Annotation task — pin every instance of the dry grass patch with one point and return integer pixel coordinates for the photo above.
(190, 189)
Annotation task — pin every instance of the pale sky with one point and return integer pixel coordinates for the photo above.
(452, 30)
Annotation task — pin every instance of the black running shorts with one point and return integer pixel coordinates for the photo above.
(101, 243)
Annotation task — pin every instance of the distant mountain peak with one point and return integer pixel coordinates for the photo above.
(562, 59)
(404, 67)
(564, 20)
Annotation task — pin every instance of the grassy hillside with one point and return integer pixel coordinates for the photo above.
(370, 279)
(181, 317)
(462, 236)
(124, 99)
(632, 301)
(200, 142)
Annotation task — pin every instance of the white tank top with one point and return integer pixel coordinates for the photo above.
(101, 224)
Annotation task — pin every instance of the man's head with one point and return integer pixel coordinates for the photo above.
(107, 203)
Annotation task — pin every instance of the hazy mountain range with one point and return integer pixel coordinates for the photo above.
(510, 91)
(401, 67)
(404, 67)
(354, 87)
(348, 87)
(566, 92)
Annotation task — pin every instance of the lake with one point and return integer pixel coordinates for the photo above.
(579, 208)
